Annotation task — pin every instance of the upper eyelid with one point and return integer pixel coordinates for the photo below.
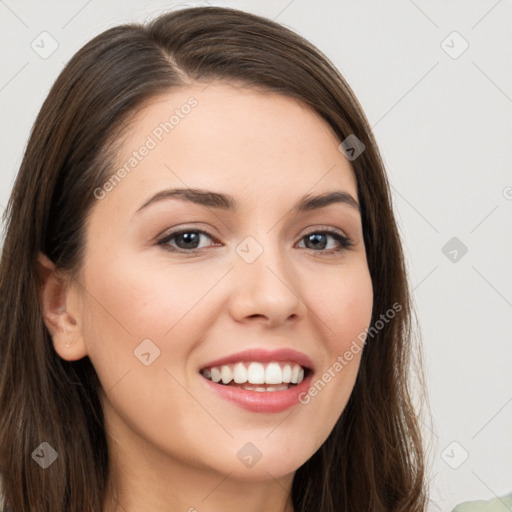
(313, 229)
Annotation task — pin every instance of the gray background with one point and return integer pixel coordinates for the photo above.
(443, 124)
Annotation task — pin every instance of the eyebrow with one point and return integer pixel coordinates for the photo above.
(217, 200)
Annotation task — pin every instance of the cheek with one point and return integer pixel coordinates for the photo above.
(125, 308)
(130, 314)
(145, 300)
(347, 307)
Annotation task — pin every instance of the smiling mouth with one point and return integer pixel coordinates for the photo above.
(256, 376)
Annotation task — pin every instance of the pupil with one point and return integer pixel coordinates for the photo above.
(316, 236)
(189, 238)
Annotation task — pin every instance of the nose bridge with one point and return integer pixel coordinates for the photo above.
(260, 250)
(264, 279)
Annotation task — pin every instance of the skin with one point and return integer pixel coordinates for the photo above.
(174, 442)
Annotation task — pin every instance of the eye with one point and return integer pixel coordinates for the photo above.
(318, 241)
(186, 240)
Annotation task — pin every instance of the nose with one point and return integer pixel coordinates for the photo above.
(265, 289)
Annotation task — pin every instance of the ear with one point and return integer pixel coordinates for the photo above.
(60, 304)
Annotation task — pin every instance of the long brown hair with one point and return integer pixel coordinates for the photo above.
(373, 459)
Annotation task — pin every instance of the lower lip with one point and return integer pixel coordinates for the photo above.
(261, 401)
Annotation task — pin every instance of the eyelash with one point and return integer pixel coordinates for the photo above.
(345, 242)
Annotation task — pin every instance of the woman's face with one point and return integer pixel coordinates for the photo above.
(247, 290)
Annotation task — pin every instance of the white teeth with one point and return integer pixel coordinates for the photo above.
(215, 374)
(287, 373)
(271, 374)
(240, 373)
(250, 387)
(295, 374)
(227, 374)
(256, 373)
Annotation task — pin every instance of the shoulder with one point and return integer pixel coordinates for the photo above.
(495, 505)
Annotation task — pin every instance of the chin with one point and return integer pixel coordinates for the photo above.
(262, 471)
(263, 457)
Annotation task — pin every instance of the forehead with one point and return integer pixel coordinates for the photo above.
(251, 144)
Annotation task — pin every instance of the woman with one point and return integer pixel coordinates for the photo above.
(205, 302)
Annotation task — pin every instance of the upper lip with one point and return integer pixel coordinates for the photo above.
(264, 356)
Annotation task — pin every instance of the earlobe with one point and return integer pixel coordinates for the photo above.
(60, 318)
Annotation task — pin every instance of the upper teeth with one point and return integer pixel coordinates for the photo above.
(256, 373)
